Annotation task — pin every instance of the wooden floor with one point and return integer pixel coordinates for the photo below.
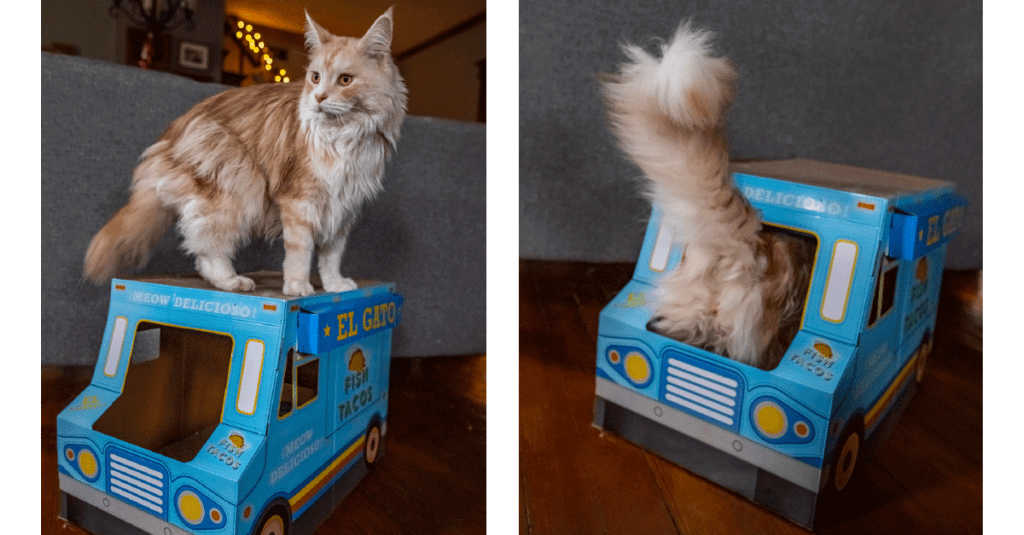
(431, 479)
(927, 478)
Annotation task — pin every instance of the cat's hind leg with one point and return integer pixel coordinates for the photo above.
(212, 236)
(218, 271)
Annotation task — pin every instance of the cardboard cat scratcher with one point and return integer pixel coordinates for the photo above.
(791, 438)
(219, 412)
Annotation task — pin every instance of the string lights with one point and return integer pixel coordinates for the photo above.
(252, 41)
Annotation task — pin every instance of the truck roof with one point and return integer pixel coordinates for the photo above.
(847, 178)
(268, 284)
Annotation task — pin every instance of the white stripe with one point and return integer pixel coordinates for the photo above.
(136, 499)
(704, 373)
(136, 465)
(698, 408)
(135, 483)
(137, 492)
(134, 474)
(701, 381)
(702, 391)
(697, 399)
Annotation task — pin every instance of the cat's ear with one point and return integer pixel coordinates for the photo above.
(316, 35)
(377, 41)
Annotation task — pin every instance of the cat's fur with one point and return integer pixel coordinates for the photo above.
(739, 290)
(294, 160)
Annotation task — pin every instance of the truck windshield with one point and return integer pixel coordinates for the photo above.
(804, 250)
(173, 391)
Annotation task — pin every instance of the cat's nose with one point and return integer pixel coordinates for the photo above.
(320, 97)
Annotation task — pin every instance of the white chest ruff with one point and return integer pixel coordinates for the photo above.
(350, 172)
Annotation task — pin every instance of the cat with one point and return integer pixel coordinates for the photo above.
(291, 160)
(739, 290)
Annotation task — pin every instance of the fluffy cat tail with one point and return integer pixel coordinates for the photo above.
(669, 115)
(129, 237)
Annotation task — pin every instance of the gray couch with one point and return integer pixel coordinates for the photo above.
(425, 233)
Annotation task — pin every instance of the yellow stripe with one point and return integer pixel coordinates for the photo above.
(316, 480)
(886, 398)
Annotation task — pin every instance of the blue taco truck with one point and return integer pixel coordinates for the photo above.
(219, 412)
(791, 438)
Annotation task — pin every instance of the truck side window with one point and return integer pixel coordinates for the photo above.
(885, 293)
(300, 387)
(285, 408)
(307, 375)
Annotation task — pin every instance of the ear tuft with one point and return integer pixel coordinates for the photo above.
(316, 35)
(377, 41)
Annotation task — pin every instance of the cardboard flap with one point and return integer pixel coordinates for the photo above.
(333, 325)
(920, 229)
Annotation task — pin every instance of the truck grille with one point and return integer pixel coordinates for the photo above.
(710, 392)
(137, 480)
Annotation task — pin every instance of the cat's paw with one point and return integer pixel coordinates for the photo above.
(339, 284)
(298, 287)
(658, 324)
(237, 283)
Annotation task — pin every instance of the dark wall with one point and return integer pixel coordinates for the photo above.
(891, 85)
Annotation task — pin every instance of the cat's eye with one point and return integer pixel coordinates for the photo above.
(315, 77)
(345, 79)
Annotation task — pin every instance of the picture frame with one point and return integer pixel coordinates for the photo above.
(194, 56)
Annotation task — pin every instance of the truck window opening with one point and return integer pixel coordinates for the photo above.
(171, 404)
(299, 387)
(789, 332)
(885, 294)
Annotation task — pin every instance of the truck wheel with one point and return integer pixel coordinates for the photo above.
(845, 459)
(923, 351)
(372, 447)
(275, 522)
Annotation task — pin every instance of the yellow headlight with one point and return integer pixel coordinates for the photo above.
(770, 419)
(637, 368)
(87, 464)
(190, 507)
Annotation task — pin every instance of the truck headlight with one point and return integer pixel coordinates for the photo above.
(638, 369)
(83, 459)
(778, 423)
(197, 510)
(770, 419)
(631, 363)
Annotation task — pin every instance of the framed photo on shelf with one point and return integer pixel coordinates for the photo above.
(194, 56)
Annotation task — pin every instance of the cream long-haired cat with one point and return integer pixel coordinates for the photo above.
(293, 160)
(739, 290)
